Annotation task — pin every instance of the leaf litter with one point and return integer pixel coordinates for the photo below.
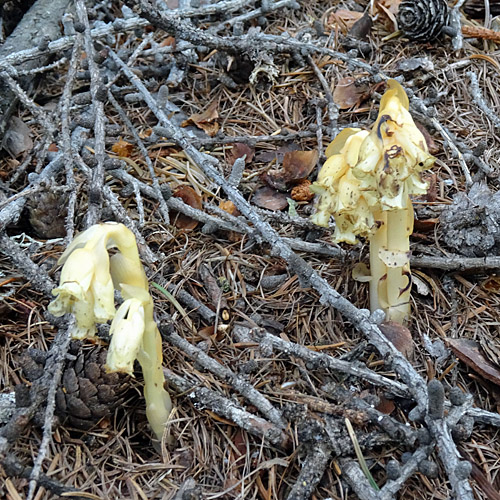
(225, 460)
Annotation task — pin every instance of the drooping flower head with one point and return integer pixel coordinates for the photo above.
(127, 331)
(339, 190)
(89, 277)
(87, 286)
(368, 172)
(394, 154)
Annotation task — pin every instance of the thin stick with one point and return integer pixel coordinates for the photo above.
(97, 177)
(62, 342)
(227, 375)
(479, 101)
(224, 407)
(66, 139)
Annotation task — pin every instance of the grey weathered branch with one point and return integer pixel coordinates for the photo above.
(227, 375)
(203, 397)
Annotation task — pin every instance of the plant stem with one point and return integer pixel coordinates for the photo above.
(378, 270)
(397, 260)
(158, 403)
(390, 264)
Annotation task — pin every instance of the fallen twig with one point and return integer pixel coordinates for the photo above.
(203, 397)
(227, 375)
(457, 263)
(322, 360)
(479, 100)
(312, 471)
(98, 95)
(55, 364)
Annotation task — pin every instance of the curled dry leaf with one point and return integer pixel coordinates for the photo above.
(344, 19)
(122, 148)
(425, 226)
(239, 150)
(266, 197)
(297, 165)
(400, 336)
(190, 197)
(301, 191)
(206, 121)
(362, 27)
(491, 284)
(388, 10)
(350, 92)
(169, 41)
(469, 352)
(385, 405)
(229, 207)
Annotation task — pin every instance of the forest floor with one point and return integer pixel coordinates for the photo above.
(283, 386)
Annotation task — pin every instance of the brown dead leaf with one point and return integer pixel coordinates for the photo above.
(240, 443)
(432, 190)
(344, 19)
(350, 92)
(266, 197)
(400, 336)
(491, 284)
(469, 352)
(122, 148)
(207, 332)
(53, 147)
(229, 207)
(388, 10)
(169, 41)
(191, 198)
(431, 145)
(301, 191)
(362, 27)
(425, 226)
(385, 405)
(206, 121)
(297, 165)
(239, 150)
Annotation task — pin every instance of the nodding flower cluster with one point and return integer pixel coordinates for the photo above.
(366, 184)
(89, 278)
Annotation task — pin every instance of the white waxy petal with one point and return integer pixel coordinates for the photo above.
(85, 321)
(127, 331)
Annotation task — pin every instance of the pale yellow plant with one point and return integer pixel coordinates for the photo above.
(366, 184)
(88, 282)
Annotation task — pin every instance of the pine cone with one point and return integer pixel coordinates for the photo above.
(87, 392)
(47, 214)
(422, 20)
